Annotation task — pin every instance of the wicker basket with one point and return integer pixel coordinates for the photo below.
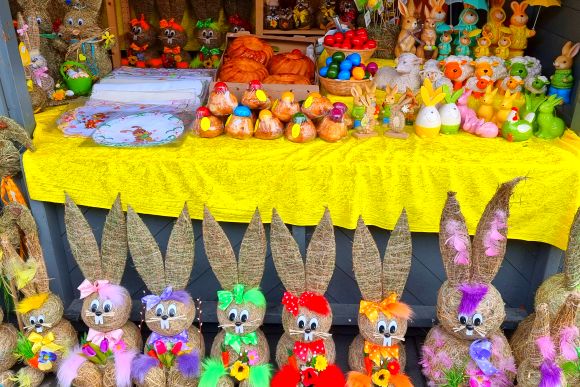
(338, 87)
(365, 54)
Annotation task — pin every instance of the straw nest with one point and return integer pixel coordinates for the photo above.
(262, 348)
(286, 346)
(356, 355)
(8, 337)
(554, 292)
(491, 308)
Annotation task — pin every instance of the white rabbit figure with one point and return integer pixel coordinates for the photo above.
(428, 122)
(449, 112)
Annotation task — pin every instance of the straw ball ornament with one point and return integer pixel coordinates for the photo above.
(254, 320)
(89, 375)
(369, 329)
(176, 378)
(156, 377)
(52, 310)
(491, 308)
(520, 338)
(8, 338)
(184, 313)
(32, 375)
(109, 374)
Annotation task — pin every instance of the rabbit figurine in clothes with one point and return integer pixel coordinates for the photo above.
(170, 310)
(47, 335)
(37, 70)
(82, 37)
(172, 34)
(240, 352)
(468, 339)
(112, 341)
(377, 353)
(306, 350)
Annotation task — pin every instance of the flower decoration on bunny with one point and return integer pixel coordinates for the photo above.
(470, 309)
(376, 356)
(306, 351)
(143, 48)
(172, 34)
(519, 31)
(210, 37)
(112, 340)
(174, 348)
(240, 352)
(47, 335)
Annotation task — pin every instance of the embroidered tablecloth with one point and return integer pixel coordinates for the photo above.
(374, 178)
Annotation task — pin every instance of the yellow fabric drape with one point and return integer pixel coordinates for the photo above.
(374, 177)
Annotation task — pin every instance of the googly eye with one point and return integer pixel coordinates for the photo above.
(80, 22)
(32, 320)
(38, 20)
(244, 315)
(301, 322)
(172, 310)
(477, 319)
(70, 21)
(313, 323)
(233, 315)
(236, 29)
(95, 305)
(41, 319)
(210, 34)
(393, 326)
(107, 306)
(171, 34)
(381, 326)
(159, 310)
(204, 34)
(462, 319)
(166, 32)
(139, 30)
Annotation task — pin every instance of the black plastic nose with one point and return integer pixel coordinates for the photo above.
(238, 323)
(38, 325)
(387, 335)
(307, 330)
(469, 326)
(98, 313)
(164, 317)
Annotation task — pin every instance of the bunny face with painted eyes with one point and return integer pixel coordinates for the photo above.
(45, 317)
(307, 325)
(107, 309)
(241, 318)
(80, 22)
(171, 316)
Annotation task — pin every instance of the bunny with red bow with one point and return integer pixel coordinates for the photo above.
(172, 34)
(143, 48)
(306, 351)
(106, 356)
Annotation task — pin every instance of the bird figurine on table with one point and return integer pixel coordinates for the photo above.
(515, 129)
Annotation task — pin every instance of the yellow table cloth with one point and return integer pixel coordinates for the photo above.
(374, 178)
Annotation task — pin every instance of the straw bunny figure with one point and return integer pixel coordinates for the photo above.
(539, 332)
(37, 71)
(172, 34)
(306, 351)
(46, 15)
(239, 352)
(82, 37)
(10, 133)
(377, 353)
(111, 343)
(397, 120)
(556, 289)
(47, 335)
(468, 342)
(8, 337)
(170, 310)
(143, 50)
(365, 111)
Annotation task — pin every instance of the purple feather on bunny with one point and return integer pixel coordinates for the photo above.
(472, 296)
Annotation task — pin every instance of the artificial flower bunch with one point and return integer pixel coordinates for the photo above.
(310, 370)
(166, 353)
(37, 350)
(382, 376)
(99, 354)
(241, 368)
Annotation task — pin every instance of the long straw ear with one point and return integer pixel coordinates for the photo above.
(366, 263)
(145, 253)
(321, 256)
(219, 252)
(180, 253)
(540, 330)
(490, 239)
(11, 261)
(397, 262)
(34, 251)
(572, 257)
(454, 242)
(82, 242)
(566, 316)
(114, 245)
(252, 253)
(286, 256)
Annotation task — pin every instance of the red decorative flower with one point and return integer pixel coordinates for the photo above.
(309, 377)
(393, 367)
(177, 348)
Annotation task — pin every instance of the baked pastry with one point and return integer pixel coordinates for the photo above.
(255, 97)
(242, 70)
(205, 124)
(300, 129)
(268, 127)
(294, 62)
(285, 107)
(221, 101)
(332, 127)
(250, 47)
(240, 124)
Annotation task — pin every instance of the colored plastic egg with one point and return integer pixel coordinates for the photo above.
(323, 71)
(344, 75)
(354, 58)
(345, 65)
(328, 61)
(358, 73)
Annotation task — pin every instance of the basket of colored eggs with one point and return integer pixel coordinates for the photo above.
(342, 72)
(349, 42)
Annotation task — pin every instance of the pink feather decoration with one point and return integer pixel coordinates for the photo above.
(493, 236)
(568, 337)
(438, 338)
(69, 368)
(459, 241)
(546, 347)
(123, 360)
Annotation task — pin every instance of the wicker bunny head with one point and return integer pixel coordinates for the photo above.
(141, 31)
(382, 317)
(81, 20)
(172, 34)
(41, 12)
(469, 306)
(40, 309)
(11, 132)
(106, 304)
(170, 310)
(241, 304)
(307, 315)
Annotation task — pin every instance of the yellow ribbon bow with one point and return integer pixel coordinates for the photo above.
(372, 309)
(47, 342)
(300, 15)
(375, 352)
